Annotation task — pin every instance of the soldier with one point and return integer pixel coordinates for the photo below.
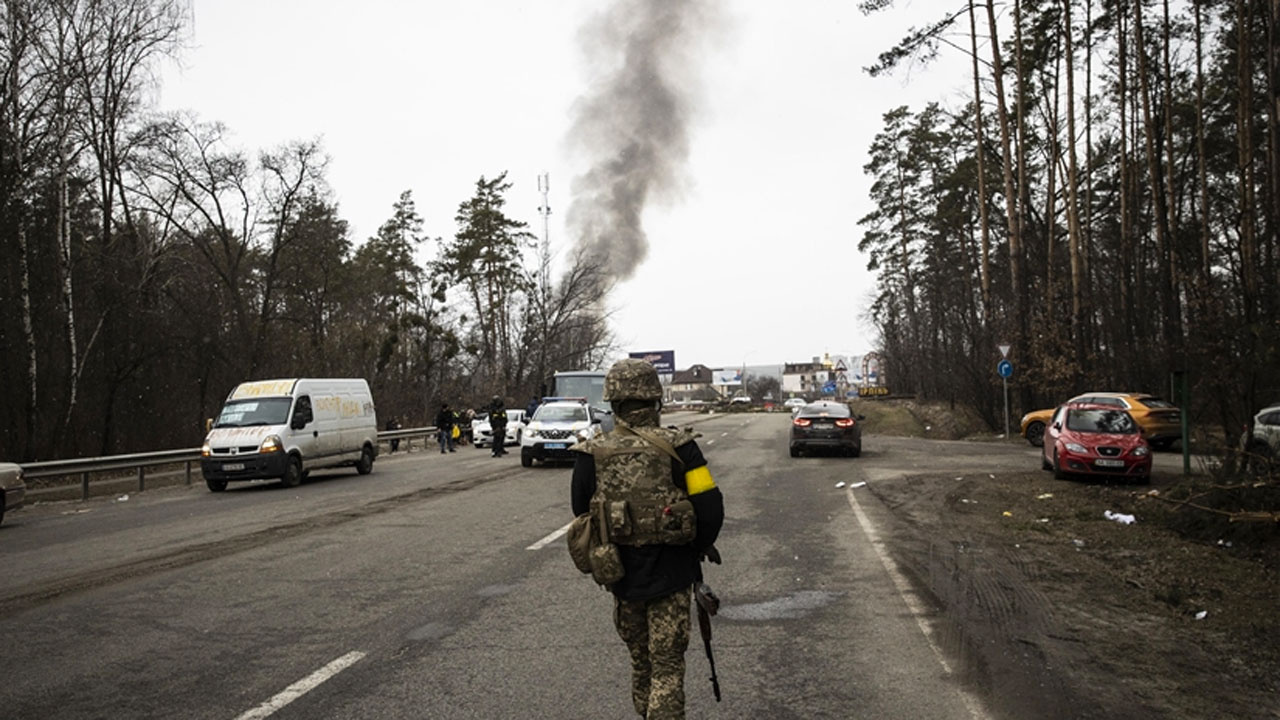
(498, 424)
(651, 487)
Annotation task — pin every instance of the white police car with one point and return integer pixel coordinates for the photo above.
(557, 425)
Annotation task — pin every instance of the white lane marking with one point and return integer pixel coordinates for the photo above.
(550, 538)
(302, 687)
(911, 598)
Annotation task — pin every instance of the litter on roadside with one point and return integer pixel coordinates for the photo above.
(993, 477)
(1006, 513)
(840, 484)
(967, 501)
(1043, 520)
(1044, 496)
(122, 498)
(1119, 517)
(1202, 614)
(861, 483)
(1078, 543)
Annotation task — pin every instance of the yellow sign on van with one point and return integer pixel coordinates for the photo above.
(263, 388)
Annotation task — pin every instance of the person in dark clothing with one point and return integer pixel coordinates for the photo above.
(394, 424)
(654, 470)
(444, 428)
(498, 424)
(534, 402)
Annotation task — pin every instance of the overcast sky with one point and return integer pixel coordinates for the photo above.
(752, 258)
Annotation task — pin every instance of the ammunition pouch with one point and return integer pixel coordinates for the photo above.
(631, 524)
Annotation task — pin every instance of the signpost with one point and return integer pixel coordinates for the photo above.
(1005, 369)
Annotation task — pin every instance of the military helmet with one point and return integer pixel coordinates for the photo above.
(632, 379)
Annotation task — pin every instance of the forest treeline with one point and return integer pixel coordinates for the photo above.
(148, 265)
(1106, 202)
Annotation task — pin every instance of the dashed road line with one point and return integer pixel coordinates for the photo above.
(550, 538)
(302, 687)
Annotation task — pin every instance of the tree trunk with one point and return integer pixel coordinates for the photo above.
(1074, 243)
(1018, 281)
(1165, 289)
(1201, 172)
(21, 204)
(1170, 253)
(982, 176)
(1244, 139)
(1123, 329)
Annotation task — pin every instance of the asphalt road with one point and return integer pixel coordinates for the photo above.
(437, 587)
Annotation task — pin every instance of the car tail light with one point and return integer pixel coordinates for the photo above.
(802, 422)
(844, 422)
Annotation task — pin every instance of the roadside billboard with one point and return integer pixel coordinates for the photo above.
(664, 361)
(732, 376)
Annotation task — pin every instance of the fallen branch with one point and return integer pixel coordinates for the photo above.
(1232, 516)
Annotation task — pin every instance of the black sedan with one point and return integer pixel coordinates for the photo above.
(826, 425)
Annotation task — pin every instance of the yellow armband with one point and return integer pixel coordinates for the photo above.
(698, 480)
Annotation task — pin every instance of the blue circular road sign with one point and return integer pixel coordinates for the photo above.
(1005, 368)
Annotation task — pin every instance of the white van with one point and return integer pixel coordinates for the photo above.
(287, 428)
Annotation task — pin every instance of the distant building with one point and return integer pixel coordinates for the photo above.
(829, 375)
(693, 384)
(805, 378)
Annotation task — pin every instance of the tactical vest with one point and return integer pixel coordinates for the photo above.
(634, 493)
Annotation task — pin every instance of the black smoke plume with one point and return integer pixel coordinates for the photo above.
(632, 124)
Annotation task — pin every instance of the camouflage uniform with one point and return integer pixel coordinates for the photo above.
(657, 634)
(646, 497)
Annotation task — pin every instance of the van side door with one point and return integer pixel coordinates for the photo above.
(302, 427)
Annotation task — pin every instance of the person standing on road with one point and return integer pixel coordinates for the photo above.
(394, 424)
(498, 424)
(444, 428)
(672, 515)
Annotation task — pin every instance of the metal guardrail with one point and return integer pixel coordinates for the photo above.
(86, 467)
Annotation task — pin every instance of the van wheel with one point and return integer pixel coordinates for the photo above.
(292, 474)
(216, 485)
(365, 466)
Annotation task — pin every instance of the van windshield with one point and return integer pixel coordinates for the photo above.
(258, 411)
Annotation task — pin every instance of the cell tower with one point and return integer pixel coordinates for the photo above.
(544, 187)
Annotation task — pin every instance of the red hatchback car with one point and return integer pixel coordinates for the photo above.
(1095, 440)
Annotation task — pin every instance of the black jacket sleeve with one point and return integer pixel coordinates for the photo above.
(583, 484)
(707, 505)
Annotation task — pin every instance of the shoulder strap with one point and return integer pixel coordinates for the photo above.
(654, 439)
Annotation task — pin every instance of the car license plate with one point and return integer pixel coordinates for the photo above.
(231, 467)
(1103, 462)
(556, 446)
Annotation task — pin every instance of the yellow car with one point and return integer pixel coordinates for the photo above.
(1160, 420)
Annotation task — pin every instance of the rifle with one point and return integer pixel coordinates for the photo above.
(708, 604)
